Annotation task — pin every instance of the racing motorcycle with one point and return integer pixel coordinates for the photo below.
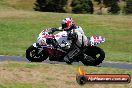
(43, 49)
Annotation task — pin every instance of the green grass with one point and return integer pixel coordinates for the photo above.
(23, 85)
(12, 66)
(38, 75)
(19, 29)
(17, 4)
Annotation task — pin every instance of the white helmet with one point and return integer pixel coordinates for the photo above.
(66, 24)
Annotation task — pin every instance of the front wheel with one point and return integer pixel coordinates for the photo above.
(31, 54)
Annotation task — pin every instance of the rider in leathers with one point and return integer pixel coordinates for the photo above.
(75, 35)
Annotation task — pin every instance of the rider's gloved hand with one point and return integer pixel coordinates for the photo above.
(52, 30)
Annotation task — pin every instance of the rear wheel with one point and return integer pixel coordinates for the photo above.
(94, 56)
(87, 60)
(31, 54)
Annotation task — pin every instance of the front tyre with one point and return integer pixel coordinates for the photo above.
(31, 54)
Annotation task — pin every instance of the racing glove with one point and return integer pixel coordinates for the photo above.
(52, 30)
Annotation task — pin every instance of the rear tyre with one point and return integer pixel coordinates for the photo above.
(95, 55)
(87, 60)
(31, 54)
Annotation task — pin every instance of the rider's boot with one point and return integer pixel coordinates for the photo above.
(69, 58)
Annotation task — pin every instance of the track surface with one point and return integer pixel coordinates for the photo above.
(104, 64)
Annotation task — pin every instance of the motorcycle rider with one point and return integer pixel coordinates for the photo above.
(75, 35)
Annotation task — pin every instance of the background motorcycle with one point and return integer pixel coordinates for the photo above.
(40, 51)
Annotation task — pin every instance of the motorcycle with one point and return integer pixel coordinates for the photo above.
(41, 50)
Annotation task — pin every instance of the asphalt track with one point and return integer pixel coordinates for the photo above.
(104, 64)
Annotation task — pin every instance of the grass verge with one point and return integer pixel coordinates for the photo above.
(40, 75)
